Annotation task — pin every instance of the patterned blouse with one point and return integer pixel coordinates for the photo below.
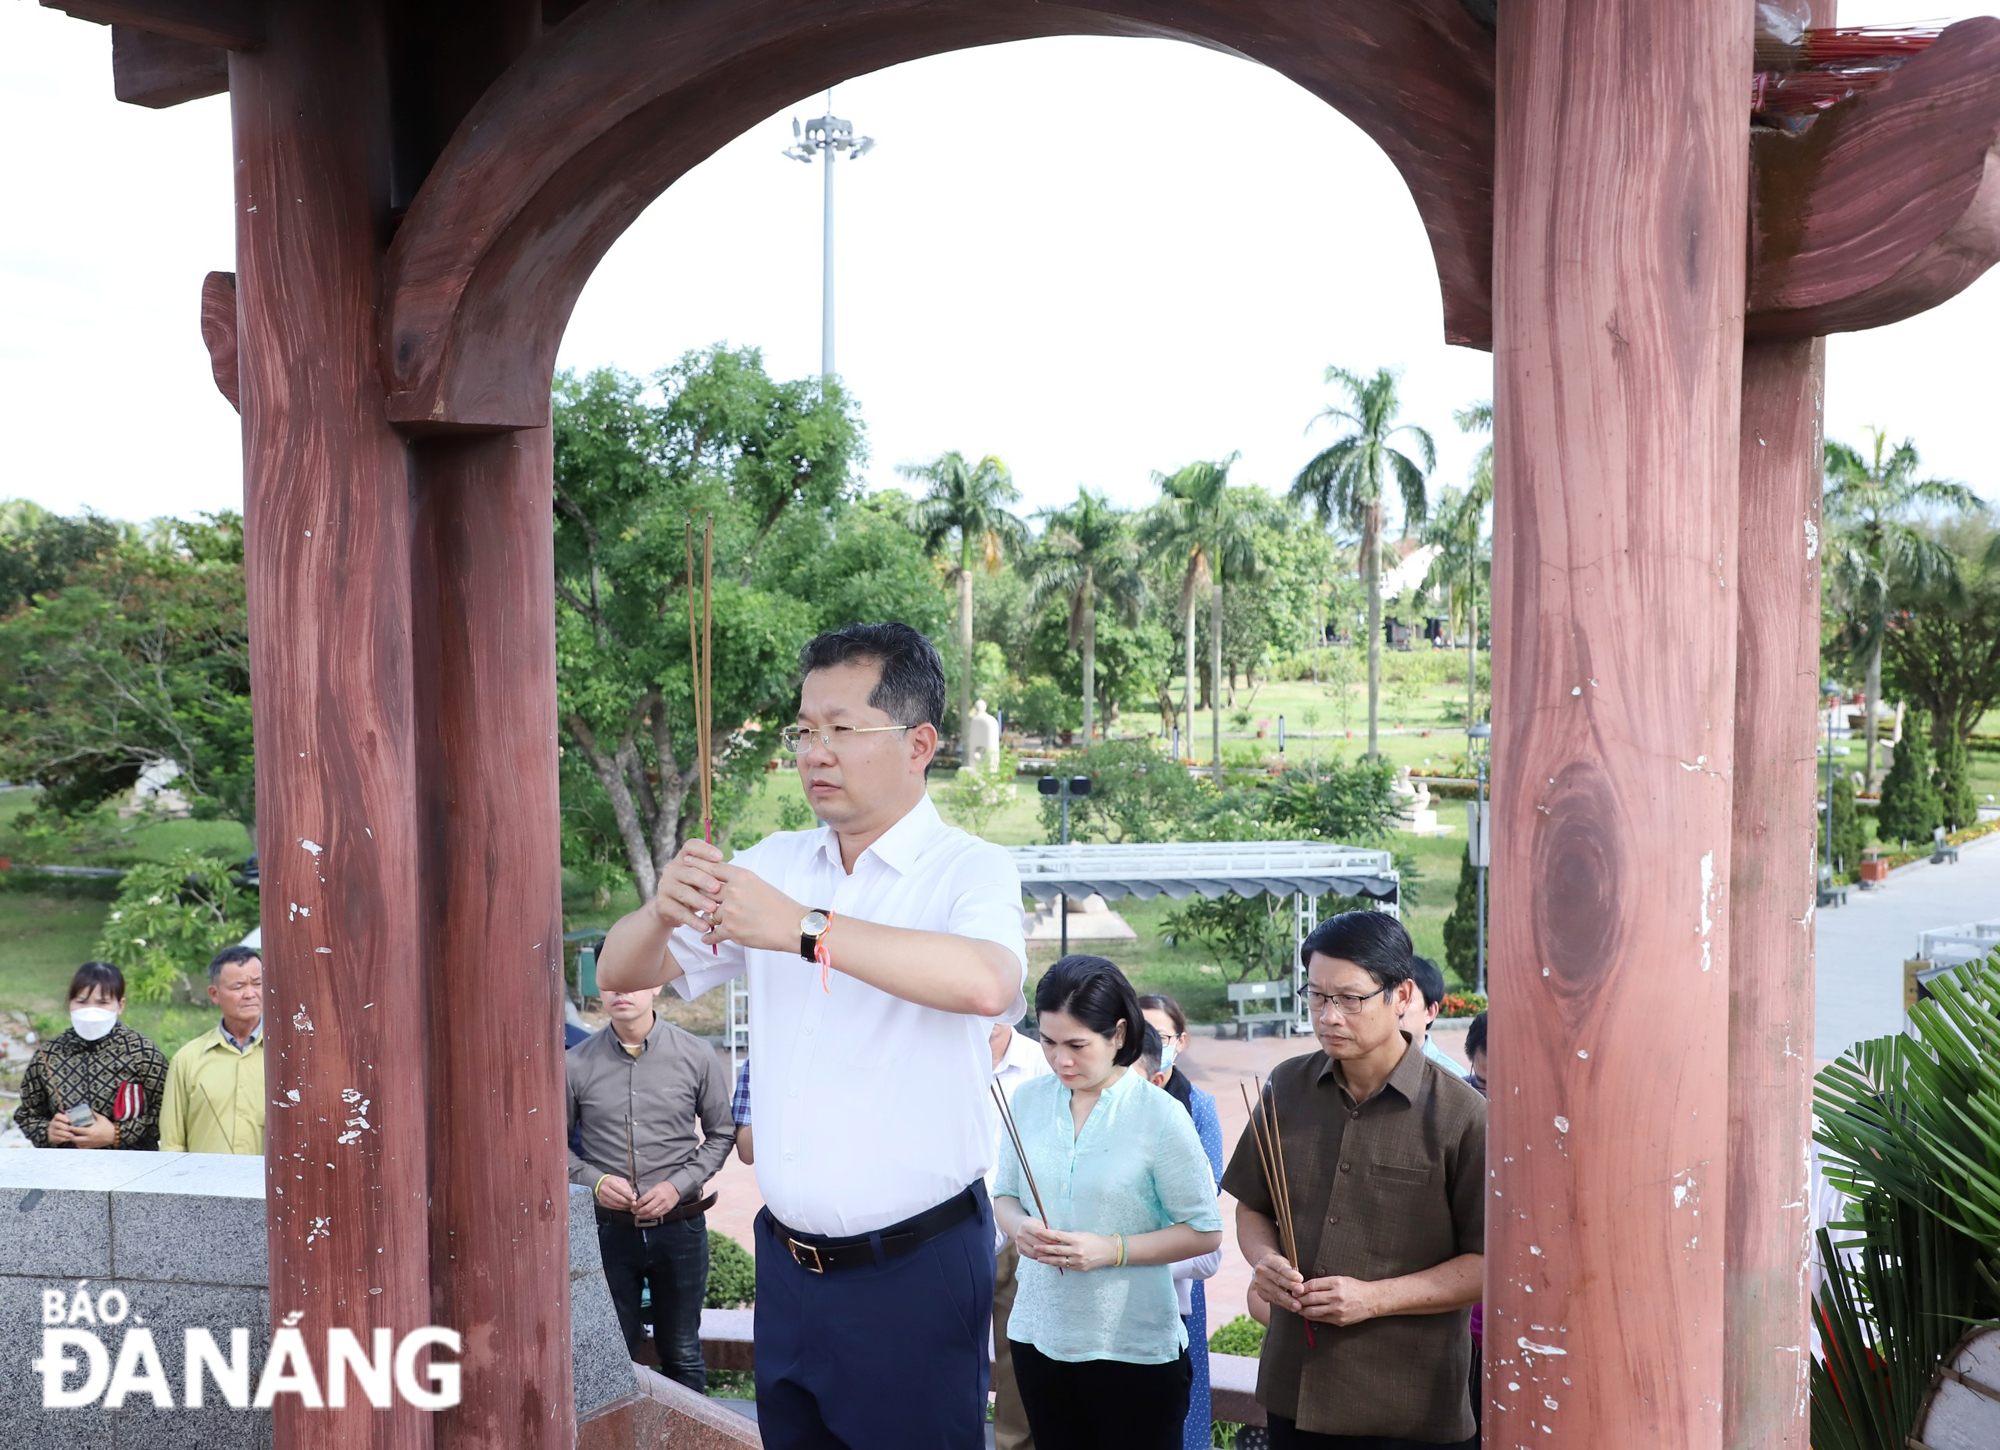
(121, 1075)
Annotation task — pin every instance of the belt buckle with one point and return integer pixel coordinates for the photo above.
(799, 1251)
(638, 1222)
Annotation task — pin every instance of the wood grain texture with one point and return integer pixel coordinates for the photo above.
(225, 24)
(327, 540)
(484, 585)
(159, 71)
(218, 333)
(1890, 204)
(1618, 271)
(1774, 805)
(501, 238)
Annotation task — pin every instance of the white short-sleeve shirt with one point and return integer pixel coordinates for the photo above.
(869, 1108)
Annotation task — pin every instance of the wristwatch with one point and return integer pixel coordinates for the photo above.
(812, 926)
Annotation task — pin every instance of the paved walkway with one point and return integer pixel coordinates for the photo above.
(1861, 946)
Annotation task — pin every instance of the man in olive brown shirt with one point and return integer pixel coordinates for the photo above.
(651, 1104)
(1384, 1164)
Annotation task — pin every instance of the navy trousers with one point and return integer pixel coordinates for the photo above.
(877, 1358)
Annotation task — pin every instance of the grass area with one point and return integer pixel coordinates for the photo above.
(106, 839)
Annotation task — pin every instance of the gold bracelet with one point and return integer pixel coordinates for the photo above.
(1121, 1251)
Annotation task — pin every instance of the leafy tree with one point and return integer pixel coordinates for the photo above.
(1252, 934)
(39, 549)
(1212, 529)
(1136, 794)
(1088, 550)
(1958, 802)
(1941, 645)
(1458, 529)
(1875, 552)
(963, 519)
(1461, 927)
(1355, 804)
(140, 657)
(770, 461)
(978, 793)
(1349, 479)
(1910, 808)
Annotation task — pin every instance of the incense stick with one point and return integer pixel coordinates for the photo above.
(1271, 1154)
(700, 678)
(1014, 1136)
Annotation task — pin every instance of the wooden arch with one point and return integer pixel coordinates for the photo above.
(614, 104)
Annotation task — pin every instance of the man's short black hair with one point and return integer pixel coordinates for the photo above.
(1475, 1035)
(1151, 1050)
(1373, 940)
(1430, 981)
(911, 691)
(229, 957)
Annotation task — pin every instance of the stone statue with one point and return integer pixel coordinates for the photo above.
(982, 738)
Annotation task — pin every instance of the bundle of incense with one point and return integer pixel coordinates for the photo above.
(1014, 1137)
(699, 673)
(1271, 1155)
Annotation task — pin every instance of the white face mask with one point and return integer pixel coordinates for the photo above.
(1166, 1057)
(92, 1023)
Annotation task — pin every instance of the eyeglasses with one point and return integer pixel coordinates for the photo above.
(1348, 1003)
(799, 738)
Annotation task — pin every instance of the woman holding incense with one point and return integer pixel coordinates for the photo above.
(1164, 1016)
(1099, 1347)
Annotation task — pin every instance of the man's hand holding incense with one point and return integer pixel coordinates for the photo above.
(1280, 1283)
(689, 888)
(657, 1201)
(751, 911)
(615, 1193)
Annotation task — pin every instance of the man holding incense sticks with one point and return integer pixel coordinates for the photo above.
(880, 950)
(1369, 1160)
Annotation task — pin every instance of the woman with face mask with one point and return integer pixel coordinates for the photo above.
(99, 1084)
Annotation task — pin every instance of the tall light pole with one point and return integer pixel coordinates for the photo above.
(823, 140)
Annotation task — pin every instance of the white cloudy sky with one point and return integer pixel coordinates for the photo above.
(1093, 258)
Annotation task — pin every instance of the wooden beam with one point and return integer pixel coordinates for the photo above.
(1774, 811)
(159, 71)
(218, 334)
(224, 24)
(327, 544)
(499, 241)
(1889, 204)
(1618, 279)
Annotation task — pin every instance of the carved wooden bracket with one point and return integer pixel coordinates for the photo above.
(218, 332)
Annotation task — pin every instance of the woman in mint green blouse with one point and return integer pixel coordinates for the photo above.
(1100, 1351)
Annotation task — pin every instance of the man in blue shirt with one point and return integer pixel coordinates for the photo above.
(1423, 1011)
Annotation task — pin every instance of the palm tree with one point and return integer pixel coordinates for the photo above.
(1873, 550)
(1346, 482)
(1212, 527)
(1088, 550)
(963, 518)
(1458, 530)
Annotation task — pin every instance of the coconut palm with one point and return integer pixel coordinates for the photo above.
(963, 519)
(1347, 481)
(1874, 551)
(1211, 527)
(1458, 529)
(1088, 551)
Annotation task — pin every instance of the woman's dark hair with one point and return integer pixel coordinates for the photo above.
(1151, 1049)
(1095, 993)
(1475, 1035)
(1161, 1002)
(1373, 940)
(911, 690)
(92, 975)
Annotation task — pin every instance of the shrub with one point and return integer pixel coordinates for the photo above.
(1136, 794)
(1461, 928)
(732, 1274)
(1910, 808)
(170, 918)
(1241, 1335)
(1954, 784)
(1462, 1004)
(1353, 804)
(979, 793)
(1850, 837)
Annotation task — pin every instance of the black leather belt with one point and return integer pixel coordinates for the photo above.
(673, 1215)
(821, 1255)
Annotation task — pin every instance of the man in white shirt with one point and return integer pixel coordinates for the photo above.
(880, 950)
(1016, 1058)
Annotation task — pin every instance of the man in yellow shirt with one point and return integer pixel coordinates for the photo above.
(214, 1102)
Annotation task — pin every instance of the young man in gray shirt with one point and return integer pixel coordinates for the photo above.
(651, 1104)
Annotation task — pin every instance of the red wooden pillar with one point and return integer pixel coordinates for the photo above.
(499, 1228)
(1621, 178)
(327, 547)
(1772, 889)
